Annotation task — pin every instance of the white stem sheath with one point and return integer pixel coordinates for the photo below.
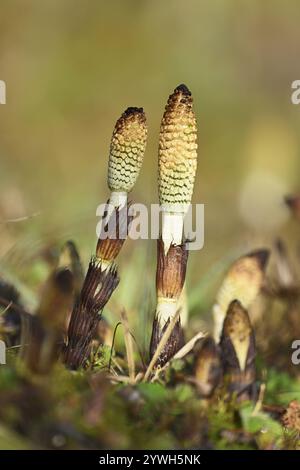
(172, 229)
(118, 198)
(165, 310)
(105, 264)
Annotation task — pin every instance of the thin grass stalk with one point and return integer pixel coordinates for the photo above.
(189, 345)
(186, 349)
(128, 345)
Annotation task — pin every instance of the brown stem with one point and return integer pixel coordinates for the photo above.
(97, 288)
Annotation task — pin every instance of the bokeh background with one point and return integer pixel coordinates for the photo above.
(71, 67)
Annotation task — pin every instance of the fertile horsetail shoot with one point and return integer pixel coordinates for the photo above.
(177, 163)
(125, 160)
(126, 154)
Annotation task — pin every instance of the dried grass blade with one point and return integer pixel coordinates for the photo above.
(161, 345)
(189, 345)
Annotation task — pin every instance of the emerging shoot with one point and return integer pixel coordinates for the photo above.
(207, 366)
(238, 352)
(293, 203)
(243, 281)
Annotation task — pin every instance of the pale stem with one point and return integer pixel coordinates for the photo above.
(172, 229)
(165, 310)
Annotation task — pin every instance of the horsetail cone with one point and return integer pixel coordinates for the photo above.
(126, 154)
(177, 162)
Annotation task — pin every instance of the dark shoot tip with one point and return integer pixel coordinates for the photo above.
(182, 88)
(262, 257)
(64, 280)
(133, 110)
(290, 201)
(293, 203)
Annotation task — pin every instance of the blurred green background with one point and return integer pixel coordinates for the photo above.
(71, 67)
